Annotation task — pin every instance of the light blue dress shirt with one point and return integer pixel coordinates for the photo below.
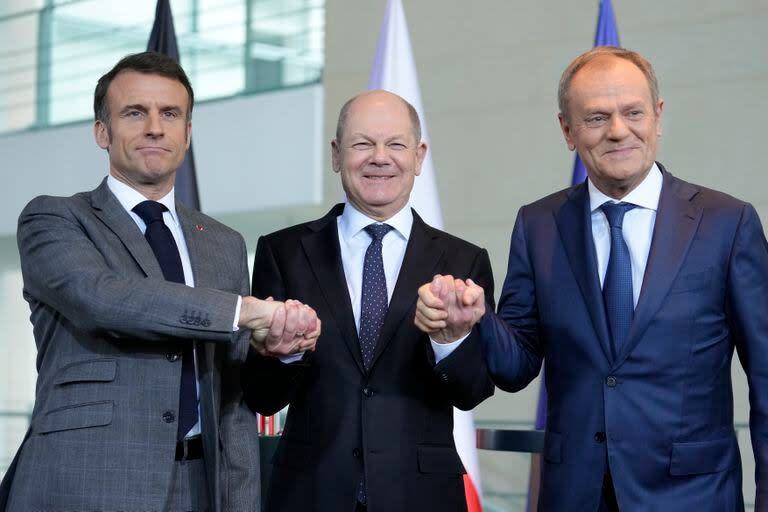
(637, 227)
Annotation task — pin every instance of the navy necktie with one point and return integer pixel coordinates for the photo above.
(617, 286)
(373, 306)
(164, 246)
(374, 302)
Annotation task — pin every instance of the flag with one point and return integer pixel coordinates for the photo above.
(394, 70)
(606, 34)
(162, 39)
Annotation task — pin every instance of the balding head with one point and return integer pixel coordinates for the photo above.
(382, 96)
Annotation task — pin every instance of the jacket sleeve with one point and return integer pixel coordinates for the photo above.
(510, 338)
(463, 374)
(65, 270)
(746, 303)
(268, 383)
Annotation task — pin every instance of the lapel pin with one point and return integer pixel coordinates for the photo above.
(200, 227)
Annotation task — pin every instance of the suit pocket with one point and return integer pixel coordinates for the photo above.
(700, 457)
(70, 417)
(92, 370)
(291, 454)
(438, 459)
(691, 282)
(553, 447)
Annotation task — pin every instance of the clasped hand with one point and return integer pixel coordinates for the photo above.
(448, 308)
(280, 328)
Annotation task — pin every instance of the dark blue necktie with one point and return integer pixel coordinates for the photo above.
(374, 302)
(164, 246)
(373, 306)
(617, 286)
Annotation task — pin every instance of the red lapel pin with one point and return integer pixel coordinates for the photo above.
(200, 227)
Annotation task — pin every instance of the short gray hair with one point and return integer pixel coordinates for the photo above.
(600, 51)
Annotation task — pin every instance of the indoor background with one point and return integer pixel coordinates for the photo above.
(270, 76)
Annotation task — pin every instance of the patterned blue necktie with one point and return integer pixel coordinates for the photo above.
(374, 301)
(164, 246)
(373, 307)
(617, 286)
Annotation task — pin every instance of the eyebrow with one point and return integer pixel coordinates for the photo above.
(142, 108)
(135, 106)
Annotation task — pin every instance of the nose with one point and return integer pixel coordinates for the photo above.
(617, 128)
(154, 127)
(380, 155)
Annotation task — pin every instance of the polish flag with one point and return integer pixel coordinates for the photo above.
(394, 70)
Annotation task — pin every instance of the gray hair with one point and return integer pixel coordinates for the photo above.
(600, 51)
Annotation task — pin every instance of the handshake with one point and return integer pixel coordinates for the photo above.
(279, 328)
(448, 308)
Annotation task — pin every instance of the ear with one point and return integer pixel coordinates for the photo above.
(421, 152)
(335, 156)
(101, 134)
(659, 110)
(189, 134)
(566, 128)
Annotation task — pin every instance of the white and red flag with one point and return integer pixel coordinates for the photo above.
(394, 70)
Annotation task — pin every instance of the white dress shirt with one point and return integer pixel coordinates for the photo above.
(637, 226)
(354, 242)
(129, 198)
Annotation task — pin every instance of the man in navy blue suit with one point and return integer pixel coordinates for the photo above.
(636, 287)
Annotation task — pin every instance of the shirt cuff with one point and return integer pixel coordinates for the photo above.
(443, 350)
(235, 328)
(291, 358)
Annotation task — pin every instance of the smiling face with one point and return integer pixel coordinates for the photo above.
(148, 131)
(613, 124)
(378, 155)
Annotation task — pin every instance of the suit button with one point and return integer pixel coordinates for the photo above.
(611, 381)
(356, 453)
(172, 357)
(368, 392)
(169, 417)
(600, 437)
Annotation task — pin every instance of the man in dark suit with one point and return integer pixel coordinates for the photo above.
(142, 318)
(635, 287)
(371, 409)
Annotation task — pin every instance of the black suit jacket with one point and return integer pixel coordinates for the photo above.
(395, 422)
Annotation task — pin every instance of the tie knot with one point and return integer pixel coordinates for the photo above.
(150, 211)
(377, 231)
(614, 212)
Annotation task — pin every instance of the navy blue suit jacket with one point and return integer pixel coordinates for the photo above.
(658, 415)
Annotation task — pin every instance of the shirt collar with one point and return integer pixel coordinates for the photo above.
(352, 221)
(646, 194)
(130, 197)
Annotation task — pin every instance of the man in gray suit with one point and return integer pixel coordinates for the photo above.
(142, 318)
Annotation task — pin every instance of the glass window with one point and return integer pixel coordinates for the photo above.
(54, 51)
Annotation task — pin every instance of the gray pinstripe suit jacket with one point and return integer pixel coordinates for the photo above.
(107, 326)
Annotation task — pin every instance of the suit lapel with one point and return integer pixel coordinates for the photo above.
(107, 208)
(321, 247)
(676, 222)
(419, 262)
(575, 225)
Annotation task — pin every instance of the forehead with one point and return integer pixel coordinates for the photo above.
(378, 115)
(609, 77)
(132, 87)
